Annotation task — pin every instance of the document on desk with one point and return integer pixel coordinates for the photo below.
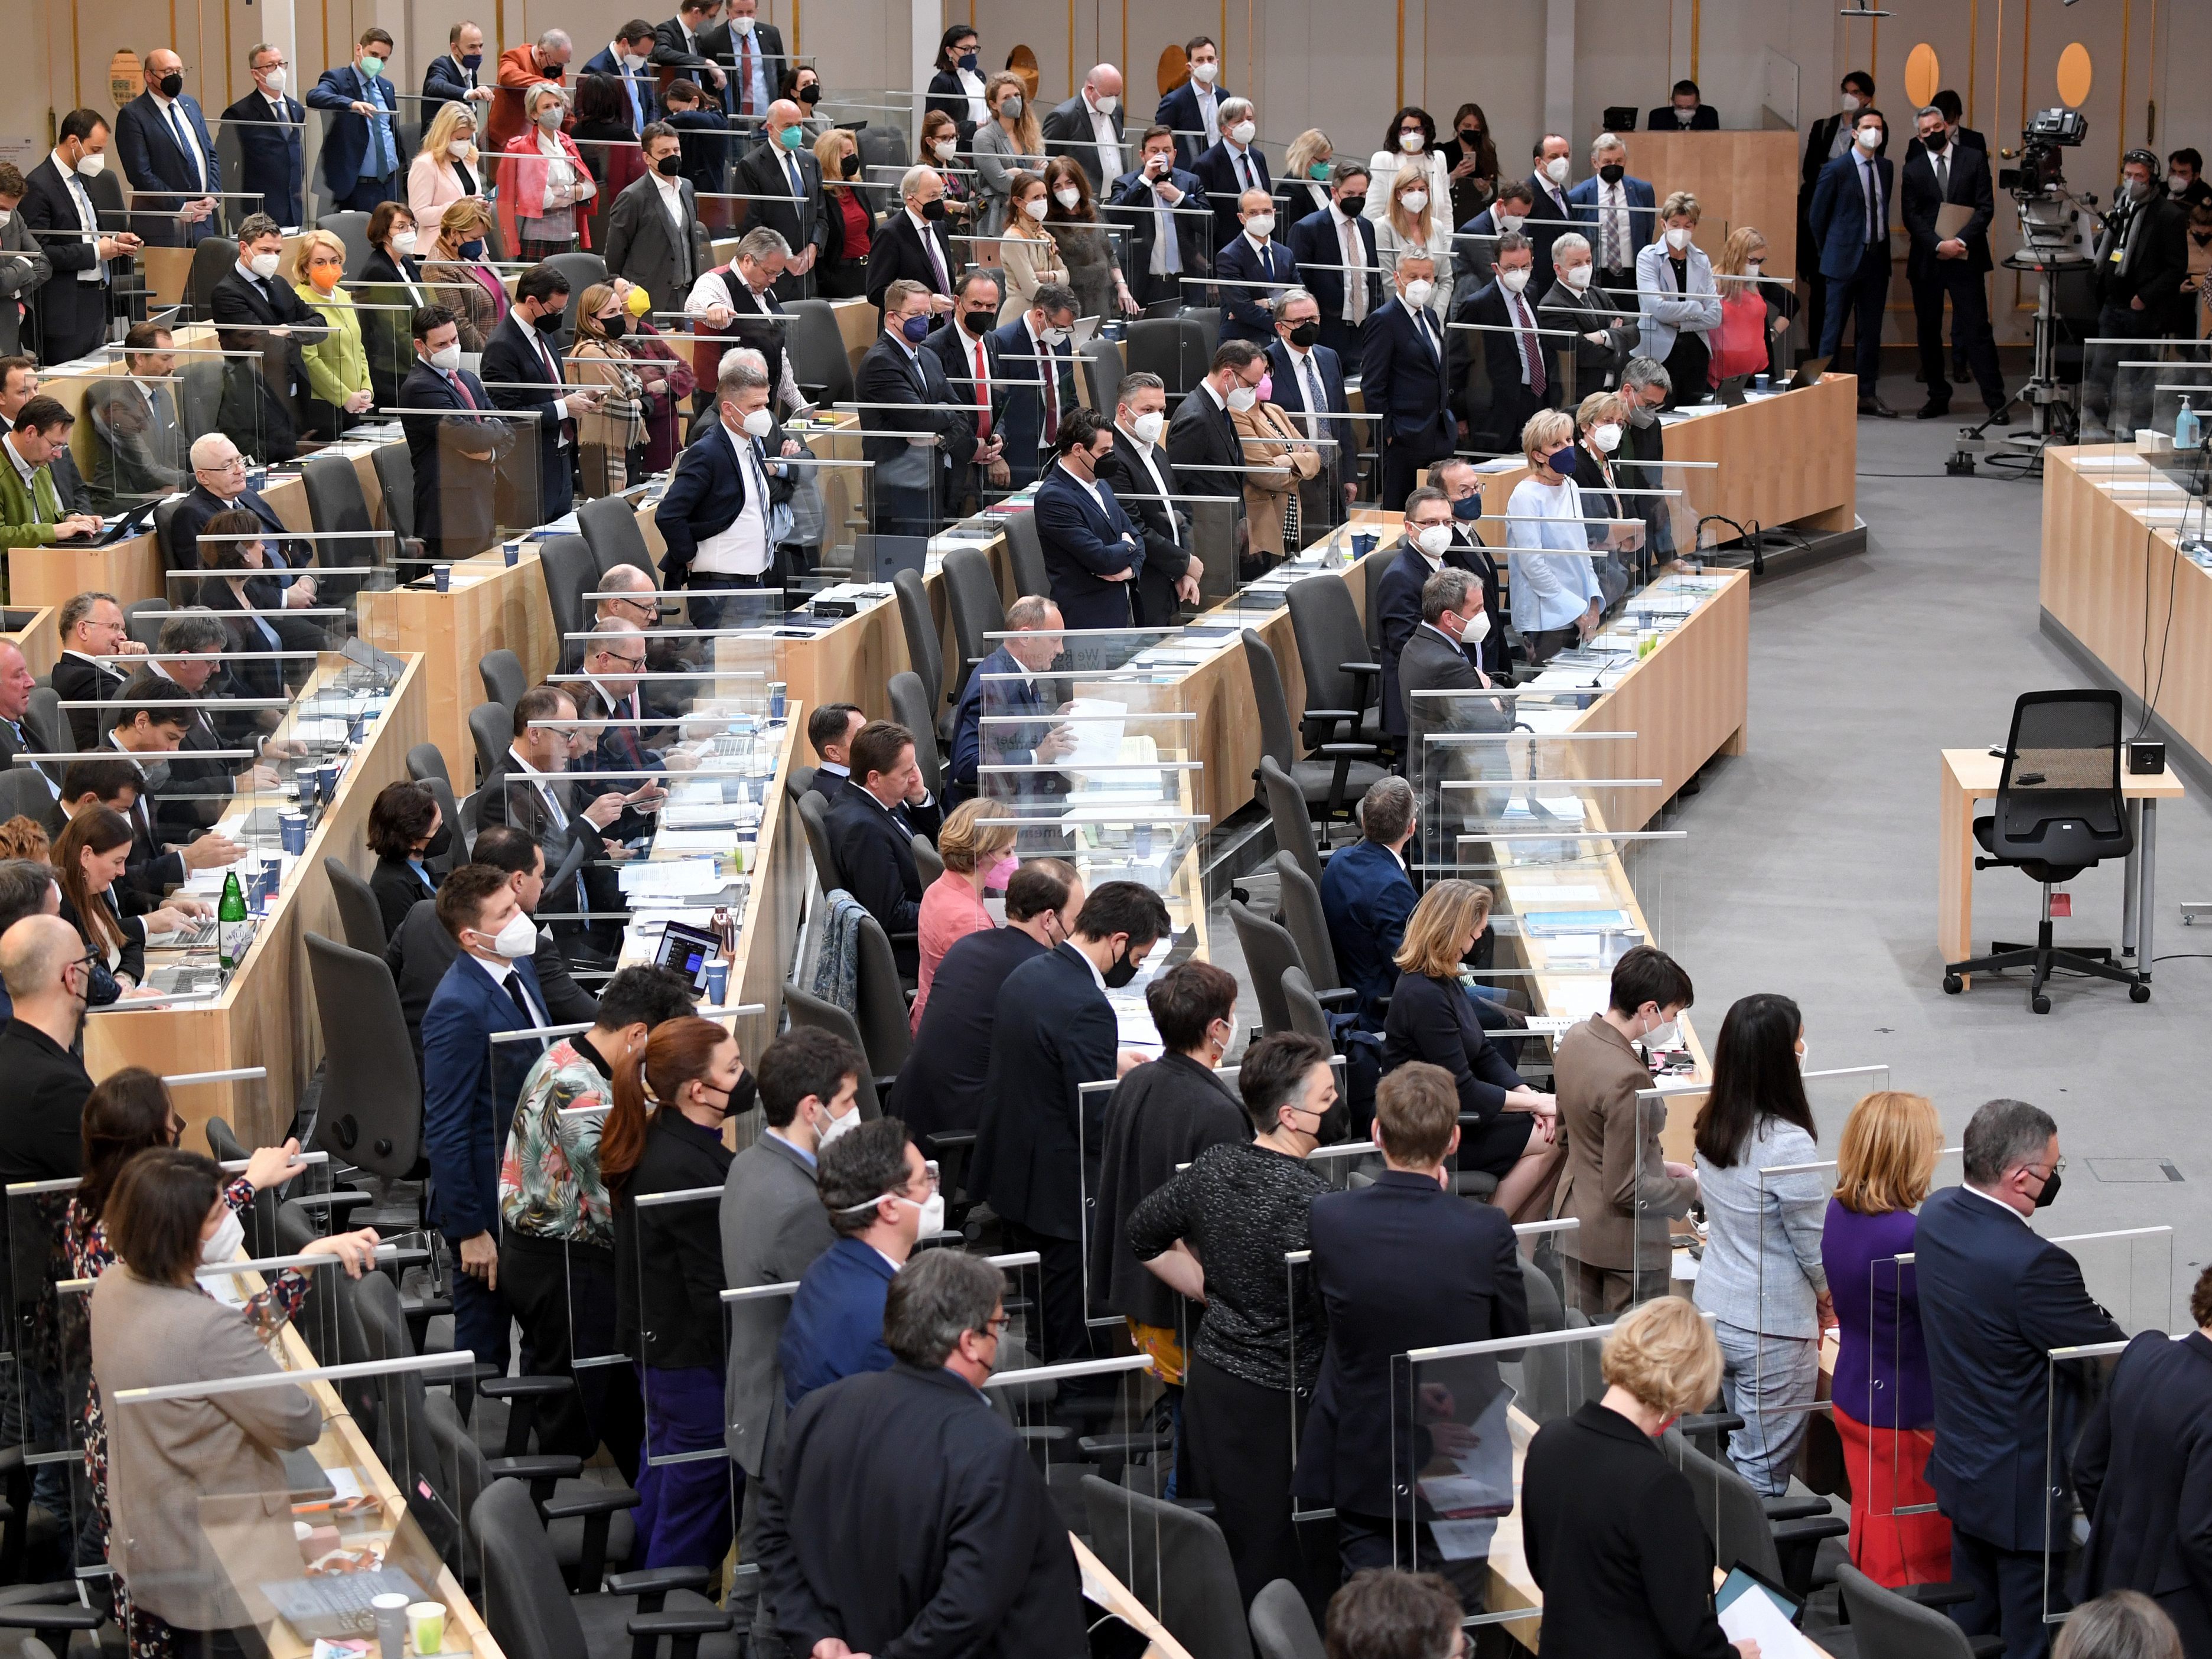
(712, 841)
(705, 814)
(1468, 1501)
(684, 877)
(1756, 1614)
(1095, 724)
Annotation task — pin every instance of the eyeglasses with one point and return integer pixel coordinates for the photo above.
(996, 1325)
(2058, 1169)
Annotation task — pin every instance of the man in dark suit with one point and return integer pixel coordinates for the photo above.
(2141, 259)
(874, 1182)
(1006, 686)
(1137, 470)
(872, 823)
(1619, 215)
(2140, 1469)
(18, 736)
(727, 508)
(1161, 204)
(24, 267)
(1427, 547)
(1193, 111)
(1036, 399)
(454, 456)
(1499, 321)
(523, 363)
(785, 181)
(1940, 172)
(168, 159)
(1825, 140)
(914, 478)
(969, 353)
(753, 53)
(1850, 221)
(1229, 167)
(470, 1085)
(1324, 243)
(421, 949)
(91, 628)
(1953, 109)
(72, 306)
(627, 60)
(909, 245)
(219, 482)
(1995, 1299)
(1090, 126)
(647, 244)
(141, 453)
(1309, 389)
(1367, 893)
(1474, 244)
(1604, 325)
(1550, 211)
(455, 76)
(680, 49)
(1038, 1144)
(1400, 1265)
(1402, 379)
(1438, 656)
(270, 123)
(906, 1511)
(1202, 440)
(360, 143)
(525, 788)
(831, 729)
(1462, 487)
(260, 312)
(1687, 112)
(1092, 550)
(1253, 268)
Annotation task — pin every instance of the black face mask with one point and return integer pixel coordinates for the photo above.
(978, 323)
(669, 166)
(1305, 334)
(614, 327)
(549, 323)
(172, 84)
(1335, 1124)
(1123, 971)
(849, 165)
(2049, 1195)
(1470, 139)
(810, 94)
(934, 210)
(1351, 206)
(435, 848)
(1613, 172)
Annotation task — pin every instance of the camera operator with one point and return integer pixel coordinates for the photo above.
(2141, 262)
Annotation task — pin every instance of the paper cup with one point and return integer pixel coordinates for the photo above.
(443, 575)
(426, 1626)
(391, 1613)
(718, 983)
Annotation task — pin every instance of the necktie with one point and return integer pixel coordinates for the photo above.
(521, 1002)
(982, 396)
(192, 151)
(461, 387)
(1313, 398)
(936, 260)
(1167, 246)
(744, 75)
(1616, 250)
(379, 163)
(1355, 275)
(1421, 323)
(1532, 355)
(636, 104)
(1943, 175)
(798, 188)
(1873, 192)
(84, 208)
(1049, 371)
(1244, 170)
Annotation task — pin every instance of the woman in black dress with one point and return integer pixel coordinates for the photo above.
(404, 833)
(1507, 1129)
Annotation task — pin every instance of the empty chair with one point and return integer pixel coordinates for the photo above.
(818, 841)
(1283, 1625)
(1307, 1017)
(1101, 374)
(1025, 554)
(1286, 809)
(359, 914)
(336, 502)
(1206, 320)
(807, 1009)
(351, 228)
(1269, 953)
(1172, 348)
(882, 1012)
(1735, 1519)
(1889, 1625)
(910, 708)
(493, 728)
(1298, 907)
(1341, 680)
(53, 732)
(1147, 1541)
(971, 594)
(610, 524)
(371, 1116)
(214, 258)
(504, 682)
(142, 619)
(1339, 774)
(582, 269)
(923, 649)
(816, 345)
(395, 488)
(426, 761)
(570, 572)
(926, 863)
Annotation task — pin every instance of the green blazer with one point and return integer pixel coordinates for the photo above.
(27, 517)
(337, 366)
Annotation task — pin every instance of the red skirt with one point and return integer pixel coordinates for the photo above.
(1888, 1473)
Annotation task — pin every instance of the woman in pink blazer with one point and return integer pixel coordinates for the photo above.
(952, 905)
(446, 168)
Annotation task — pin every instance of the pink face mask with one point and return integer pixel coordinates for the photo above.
(1001, 873)
(1266, 388)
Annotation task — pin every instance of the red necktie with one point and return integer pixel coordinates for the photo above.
(982, 397)
(744, 75)
(462, 386)
(1050, 372)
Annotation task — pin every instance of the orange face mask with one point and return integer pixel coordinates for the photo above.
(324, 277)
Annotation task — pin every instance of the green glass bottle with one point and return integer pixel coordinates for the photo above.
(234, 933)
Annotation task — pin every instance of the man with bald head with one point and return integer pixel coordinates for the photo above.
(47, 971)
(1089, 127)
(785, 179)
(162, 140)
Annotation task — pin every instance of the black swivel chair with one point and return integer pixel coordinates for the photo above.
(1341, 680)
(610, 524)
(504, 682)
(1294, 831)
(570, 572)
(910, 708)
(395, 488)
(493, 728)
(1308, 1018)
(807, 1009)
(1298, 907)
(1282, 1624)
(971, 594)
(818, 360)
(813, 819)
(1337, 775)
(336, 504)
(1025, 554)
(426, 764)
(924, 651)
(1148, 1541)
(359, 914)
(1102, 374)
(371, 1116)
(1269, 953)
(143, 620)
(2059, 811)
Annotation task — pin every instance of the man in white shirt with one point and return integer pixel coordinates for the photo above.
(728, 297)
(1089, 127)
(723, 517)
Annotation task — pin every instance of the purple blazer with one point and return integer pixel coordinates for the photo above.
(1881, 1359)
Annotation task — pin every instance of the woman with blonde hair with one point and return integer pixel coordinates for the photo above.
(1027, 252)
(1609, 1525)
(1303, 186)
(609, 438)
(444, 169)
(1094, 269)
(544, 183)
(1006, 146)
(25, 838)
(1676, 293)
(1601, 422)
(457, 275)
(841, 273)
(1556, 600)
(1408, 223)
(1743, 344)
(1279, 458)
(976, 856)
(1884, 1395)
(1432, 1018)
(338, 388)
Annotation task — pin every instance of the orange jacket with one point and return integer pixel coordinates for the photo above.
(518, 71)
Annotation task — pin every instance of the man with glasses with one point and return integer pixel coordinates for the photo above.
(909, 1512)
(1995, 1300)
(218, 485)
(269, 124)
(161, 138)
(612, 662)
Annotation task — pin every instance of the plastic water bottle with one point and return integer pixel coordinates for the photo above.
(2188, 431)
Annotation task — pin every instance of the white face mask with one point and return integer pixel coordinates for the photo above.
(447, 357)
(1607, 436)
(742, 25)
(1804, 1052)
(1684, 117)
(635, 61)
(1204, 74)
(1513, 281)
(1850, 103)
(89, 164)
(1037, 207)
(6, 215)
(839, 1126)
(517, 940)
(229, 1238)
(263, 266)
(403, 241)
(1752, 267)
(1241, 397)
(1509, 221)
(1416, 201)
(1477, 629)
(1242, 132)
(932, 1215)
(1260, 226)
(1067, 196)
(757, 424)
(274, 79)
(1556, 169)
(1419, 293)
(1678, 237)
(460, 149)
(1869, 138)
(1576, 277)
(1434, 539)
(1107, 105)
(1410, 142)
(946, 149)
(1663, 1036)
(1149, 426)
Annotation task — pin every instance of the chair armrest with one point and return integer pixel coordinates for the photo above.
(1360, 667)
(692, 1621)
(1946, 1595)
(657, 1582)
(1349, 751)
(592, 1500)
(1811, 1529)
(953, 1137)
(1124, 1445)
(545, 1467)
(1708, 1423)
(1195, 1505)
(518, 1388)
(1316, 715)
(1986, 1647)
(49, 1616)
(1344, 996)
(344, 1198)
(1795, 1509)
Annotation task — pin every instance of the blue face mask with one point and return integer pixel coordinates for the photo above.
(1469, 509)
(915, 329)
(968, 62)
(1563, 462)
(473, 250)
(472, 62)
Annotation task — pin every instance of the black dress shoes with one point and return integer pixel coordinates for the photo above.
(1875, 406)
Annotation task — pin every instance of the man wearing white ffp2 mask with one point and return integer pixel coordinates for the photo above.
(881, 1196)
(1549, 212)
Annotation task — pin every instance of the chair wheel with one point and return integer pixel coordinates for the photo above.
(2040, 1003)
(1953, 985)
(2138, 994)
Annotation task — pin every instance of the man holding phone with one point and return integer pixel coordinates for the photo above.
(1155, 201)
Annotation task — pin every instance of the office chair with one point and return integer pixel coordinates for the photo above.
(1337, 775)
(971, 594)
(1270, 952)
(426, 761)
(1298, 907)
(807, 1009)
(23, 793)
(1286, 809)
(1101, 374)
(923, 648)
(336, 501)
(1342, 681)
(395, 488)
(371, 1115)
(1148, 1541)
(1025, 555)
(610, 524)
(910, 706)
(359, 914)
(504, 682)
(1743, 1526)
(880, 995)
(2059, 811)
(1283, 1625)
(49, 723)
(570, 572)
(143, 620)
(493, 728)
(816, 345)
(1308, 1018)
(813, 819)
(1896, 1624)
(582, 269)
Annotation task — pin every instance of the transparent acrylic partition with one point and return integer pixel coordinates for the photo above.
(2129, 1273)
(2076, 1379)
(133, 439)
(1125, 654)
(1875, 1354)
(1651, 1247)
(1108, 746)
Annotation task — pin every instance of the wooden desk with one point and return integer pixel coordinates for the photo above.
(37, 635)
(266, 1015)
(1970, 775)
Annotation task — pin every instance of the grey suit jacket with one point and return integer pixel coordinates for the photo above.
(773, 1227)
(22, 268)
(199, 1504)
(643, 247)
(141, 444)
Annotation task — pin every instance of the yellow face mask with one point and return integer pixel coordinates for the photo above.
(637, 302)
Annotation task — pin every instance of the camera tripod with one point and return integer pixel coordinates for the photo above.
(2049, 403)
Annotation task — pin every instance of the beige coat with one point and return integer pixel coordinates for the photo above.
(1027, 261)
(1614, 1179)
(200, 1508)
(1283, 460)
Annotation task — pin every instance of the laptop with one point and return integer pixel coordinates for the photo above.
(687, 950)
(1808, 374)
(130, 524)
(878, 558)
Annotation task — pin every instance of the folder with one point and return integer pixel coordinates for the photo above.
(1951, 218)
